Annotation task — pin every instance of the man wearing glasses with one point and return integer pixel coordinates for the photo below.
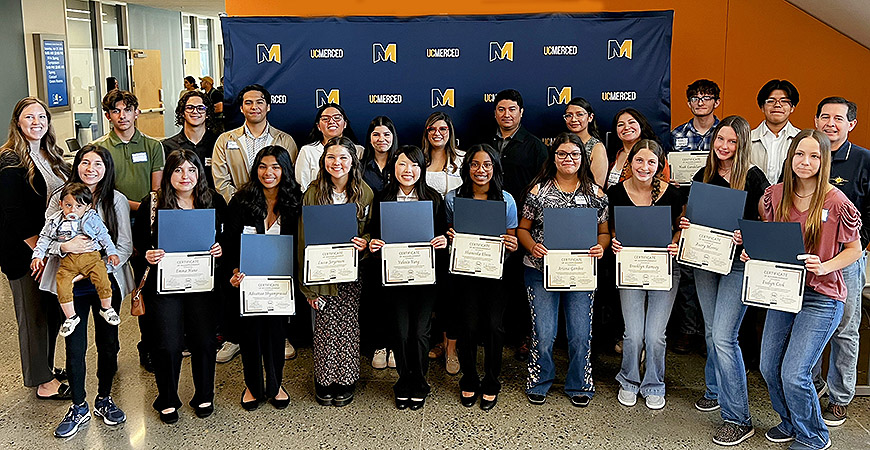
(235, 150)
(770, 141)
(194, 113)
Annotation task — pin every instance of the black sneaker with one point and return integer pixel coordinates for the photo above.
(536, 399)
(75, 418)
(705, 404)
(106, 408)
(732, 434)
(580, 401)
(778, 436)
(834, 415)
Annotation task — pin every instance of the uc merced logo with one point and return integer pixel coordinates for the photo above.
(616, 49)
(268, 54)
(443, 98)
(501, 51)
(380, 52)
(556, 96)
(322, 97)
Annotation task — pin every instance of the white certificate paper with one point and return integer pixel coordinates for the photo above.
(179, 273)
(267, 296)
(407, 264)
(477, 256)
(774, 285)
(644, 268)
(570, 270)
(684, 165)
(707, 248)
(333, 263)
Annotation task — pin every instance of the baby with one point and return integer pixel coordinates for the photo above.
(78, 218)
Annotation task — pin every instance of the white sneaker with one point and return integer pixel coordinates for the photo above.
(655, 401)
(227, 352)
(391, 361)
(289, 350)
(69, 325)
(379, 360)
(110, 316)
(626, 398)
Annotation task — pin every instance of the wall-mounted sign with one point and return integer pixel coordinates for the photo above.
(51, 70)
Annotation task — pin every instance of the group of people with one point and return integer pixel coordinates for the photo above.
(257, 180)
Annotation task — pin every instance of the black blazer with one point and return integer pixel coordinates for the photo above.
(22, 215)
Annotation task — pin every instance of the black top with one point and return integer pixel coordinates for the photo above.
(521, 159)
(22, 215)
(240, 216)
(203, 149)
(756, 183)
(671, 197)
(375, 177)
(850, 173)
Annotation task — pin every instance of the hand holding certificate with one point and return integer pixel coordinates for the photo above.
(684, 165)
(186, 236)
(478, 249)
(407, 256)
(643, 260)
(568, 235)
(330, 256)
(267, 285)
(707, 243)
(774, 278)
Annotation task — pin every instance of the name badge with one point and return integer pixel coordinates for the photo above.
(140, 157)
(681, 142)
(249, 230)
(232, 144)
(824, 215)
(207, 162)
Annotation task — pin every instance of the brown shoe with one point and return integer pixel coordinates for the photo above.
(682, 344)
(437, 351)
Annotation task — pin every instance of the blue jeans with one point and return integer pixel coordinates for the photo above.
(843, 362)
(724, 373)
(544, 307)
(790, 346)
(646, 315)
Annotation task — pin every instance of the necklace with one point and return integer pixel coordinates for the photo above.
(576, 185)
(804, 196)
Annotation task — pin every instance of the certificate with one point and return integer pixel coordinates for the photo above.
(706, 248)
(644, 268)
(774, 285)
(330, 263)
(407, 264)
(267, 296)
(477, 256)
(684, 165)
(570, 270)
(179, 273)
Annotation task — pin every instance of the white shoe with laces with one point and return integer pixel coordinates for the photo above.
(227, 352)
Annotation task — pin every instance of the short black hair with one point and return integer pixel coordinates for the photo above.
(851, 107)
(117, 95)
(80, 191)
(510, 94)
(701, 87)
(783, 85)
(255, 87)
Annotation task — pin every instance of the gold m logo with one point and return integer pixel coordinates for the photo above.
(501, 51)
(381, 53)
(321, 97)
(558, 96)
(440, 98)
(271, 53)
(615, 49)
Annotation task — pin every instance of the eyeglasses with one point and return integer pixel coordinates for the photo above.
(474, 165)
(774, 101)
(440, 130)
(705, 99)
(564, 155)
(337, 118)
(197, 108)
(578, 116)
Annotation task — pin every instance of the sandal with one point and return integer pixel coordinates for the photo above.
(437, 351)
(64, 392)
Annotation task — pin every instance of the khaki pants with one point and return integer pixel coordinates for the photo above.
(90, 265)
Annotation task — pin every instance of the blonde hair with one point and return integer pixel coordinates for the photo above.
(17, 148)
(813, 228)
(740, 165)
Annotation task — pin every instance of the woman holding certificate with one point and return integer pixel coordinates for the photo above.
(412, 305)
(336, 325)
(480, 315)
(184, 319)
(565, 181)
(792, 343)
(580, 120)
(645, 312)
(270, 203)
(720, 295)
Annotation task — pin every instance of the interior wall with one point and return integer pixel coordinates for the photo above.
(740, 44)
(12, 71)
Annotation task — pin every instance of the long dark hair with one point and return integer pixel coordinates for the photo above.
(369, 152)
(104, 194)
(316, 136)
(450, 149)
(167, 197)
(424, 192)
(289, 201)
(548, 170)
(646, 131)
(593, 124)
(466, 189)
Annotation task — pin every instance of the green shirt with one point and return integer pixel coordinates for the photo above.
(135, 161)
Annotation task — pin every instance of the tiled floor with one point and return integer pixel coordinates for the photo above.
(372, 422)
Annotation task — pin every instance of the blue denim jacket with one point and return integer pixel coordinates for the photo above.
(89, 225)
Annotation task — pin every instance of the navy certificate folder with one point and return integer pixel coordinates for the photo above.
(570, 228)
(266, 255)
(185, 230)
(715, 206)
(329, 224)
(643, 226)
(773, 241)
(406, 222)
(481, 217)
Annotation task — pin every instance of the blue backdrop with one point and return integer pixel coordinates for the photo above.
(406, 68)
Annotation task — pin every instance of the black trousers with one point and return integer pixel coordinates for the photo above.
(412, 308)
(106, 337)
(39, 317)
(445, 309)
(181, 319)
(230, 322)
(480, 309)
(374, 312)
(262, 345)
